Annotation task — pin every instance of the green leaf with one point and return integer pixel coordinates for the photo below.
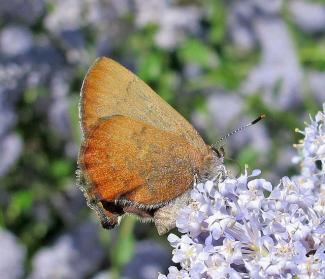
(313, 56)
(20, 202)
(150, 67)
(195, 52)
(248, 156)
(217, 20)
(61, 168)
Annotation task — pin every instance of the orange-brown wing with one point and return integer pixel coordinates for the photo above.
(110, 89)
(129, 160)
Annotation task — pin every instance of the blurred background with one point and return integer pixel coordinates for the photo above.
(219, 63)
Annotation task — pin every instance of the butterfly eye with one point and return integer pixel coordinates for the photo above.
(220, 151)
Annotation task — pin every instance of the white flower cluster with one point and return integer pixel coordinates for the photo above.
(311, 157)
(247, 228)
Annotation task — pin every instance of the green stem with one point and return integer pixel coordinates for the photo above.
(123, 249)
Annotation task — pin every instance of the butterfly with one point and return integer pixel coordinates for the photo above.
(138, 155)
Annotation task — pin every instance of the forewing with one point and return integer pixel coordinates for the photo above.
(129, 160)
(110, 89)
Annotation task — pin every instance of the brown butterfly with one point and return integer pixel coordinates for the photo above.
(138, 154)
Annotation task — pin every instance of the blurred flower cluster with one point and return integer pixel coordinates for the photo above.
(246, 227)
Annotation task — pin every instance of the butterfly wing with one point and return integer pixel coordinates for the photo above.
(130, 160)
(110, 89)
(131, 163)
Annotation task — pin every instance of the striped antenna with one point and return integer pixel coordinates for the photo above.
(217, 144)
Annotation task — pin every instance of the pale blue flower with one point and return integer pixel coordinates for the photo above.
(246, 228)
(12, 256)
(174, 273)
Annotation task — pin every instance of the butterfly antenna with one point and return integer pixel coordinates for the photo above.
(217, 144)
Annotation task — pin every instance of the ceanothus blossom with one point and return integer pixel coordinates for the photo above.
(246, 227)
